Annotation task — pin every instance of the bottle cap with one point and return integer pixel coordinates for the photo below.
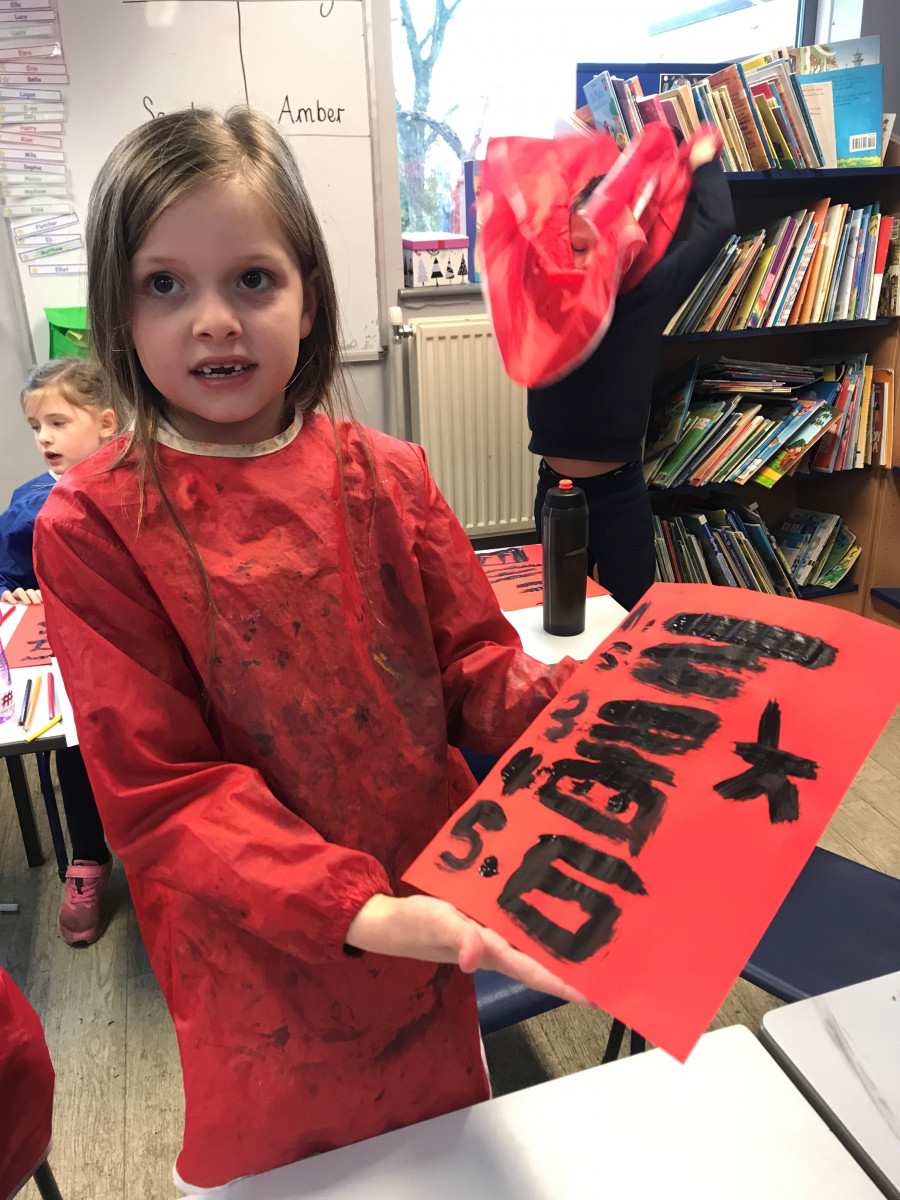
(565, 484)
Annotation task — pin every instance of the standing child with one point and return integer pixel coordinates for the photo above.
(63, 403)
(589, 425)
(281, 636)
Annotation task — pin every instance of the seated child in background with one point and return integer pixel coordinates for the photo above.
(63, 404)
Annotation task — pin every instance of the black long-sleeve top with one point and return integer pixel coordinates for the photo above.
(600, 410)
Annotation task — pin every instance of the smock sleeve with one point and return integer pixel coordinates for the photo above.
(712, 224)
(493, 690)
(172, 809)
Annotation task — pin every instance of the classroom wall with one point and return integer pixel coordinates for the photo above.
(374, 386)
(883, 17)
(19, 459)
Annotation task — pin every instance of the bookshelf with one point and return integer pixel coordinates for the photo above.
(867, 499)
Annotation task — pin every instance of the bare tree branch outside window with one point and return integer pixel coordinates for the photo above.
(428, 197)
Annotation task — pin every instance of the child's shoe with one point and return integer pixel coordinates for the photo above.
(81, 918)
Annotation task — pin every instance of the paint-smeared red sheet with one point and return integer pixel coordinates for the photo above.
(28, 646)
(640, 837)
(516, 575)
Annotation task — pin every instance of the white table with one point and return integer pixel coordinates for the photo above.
(601, 616)
(843, 1051)
(13, 744)
(729, 1125)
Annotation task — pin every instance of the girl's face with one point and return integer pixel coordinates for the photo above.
(65, 434)
(219, 308)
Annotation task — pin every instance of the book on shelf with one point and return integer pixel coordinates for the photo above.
(855, 109)
(813, 266)
(735, 421)
(791, 108)
(718, 539)
(818, 547)
(471, 192)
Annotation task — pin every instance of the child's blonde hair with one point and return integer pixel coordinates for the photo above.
(78, 380)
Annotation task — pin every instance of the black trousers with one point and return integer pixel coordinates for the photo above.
(620, 532)
(85, 830)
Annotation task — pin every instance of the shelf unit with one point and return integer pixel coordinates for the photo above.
(868, 500)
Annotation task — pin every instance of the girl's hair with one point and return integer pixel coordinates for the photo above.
(149, 170)
(78, 380)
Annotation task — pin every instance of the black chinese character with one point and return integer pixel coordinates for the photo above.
(656, 728)
(538, 874)
(769, 770)
(768, 641)
(634, 809)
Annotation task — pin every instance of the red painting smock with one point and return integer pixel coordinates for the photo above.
(251, 838)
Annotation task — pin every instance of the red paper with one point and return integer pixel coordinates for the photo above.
(547, 314)
(516, 575)
(28, 646)
(670, 797)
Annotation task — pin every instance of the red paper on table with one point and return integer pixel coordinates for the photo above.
(547, 314)
(28, 646)
(639, 838)
(516, 575)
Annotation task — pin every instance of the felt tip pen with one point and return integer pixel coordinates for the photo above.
(25, 700)
(32, 707)
(51, 695)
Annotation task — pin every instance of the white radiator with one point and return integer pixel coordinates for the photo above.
(470, 418)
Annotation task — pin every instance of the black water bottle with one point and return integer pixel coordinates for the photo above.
(564, 536)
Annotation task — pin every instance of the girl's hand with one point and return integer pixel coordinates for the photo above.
(22, 596)
(706, 146)
(435, 931)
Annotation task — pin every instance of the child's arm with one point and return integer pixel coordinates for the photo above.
(16, 532)
(433, 930)
(493, 690)
(712, 224)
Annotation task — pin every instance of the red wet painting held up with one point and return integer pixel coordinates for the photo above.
(516, 575)
(28, 645)
(639, 838)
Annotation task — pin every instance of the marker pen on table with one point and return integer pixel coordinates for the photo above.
(51, 696)
(32, 708)
(25, 700)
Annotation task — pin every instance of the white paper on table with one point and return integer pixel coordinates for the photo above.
(11, 731)
(820, 103)
(601, 616)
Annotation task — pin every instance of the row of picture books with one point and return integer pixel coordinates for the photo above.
(776, 111)
(827, 263)
(719, 540)
(734, 421)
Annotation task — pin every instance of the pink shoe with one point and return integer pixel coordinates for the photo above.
(81, 919)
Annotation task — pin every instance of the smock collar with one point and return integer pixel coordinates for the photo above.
(167, 435)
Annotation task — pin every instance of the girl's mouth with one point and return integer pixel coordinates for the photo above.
(223, 372)
(223, 377)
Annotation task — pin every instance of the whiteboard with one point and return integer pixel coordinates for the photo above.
(302, 62)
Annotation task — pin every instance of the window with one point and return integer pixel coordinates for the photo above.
(466, 70)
